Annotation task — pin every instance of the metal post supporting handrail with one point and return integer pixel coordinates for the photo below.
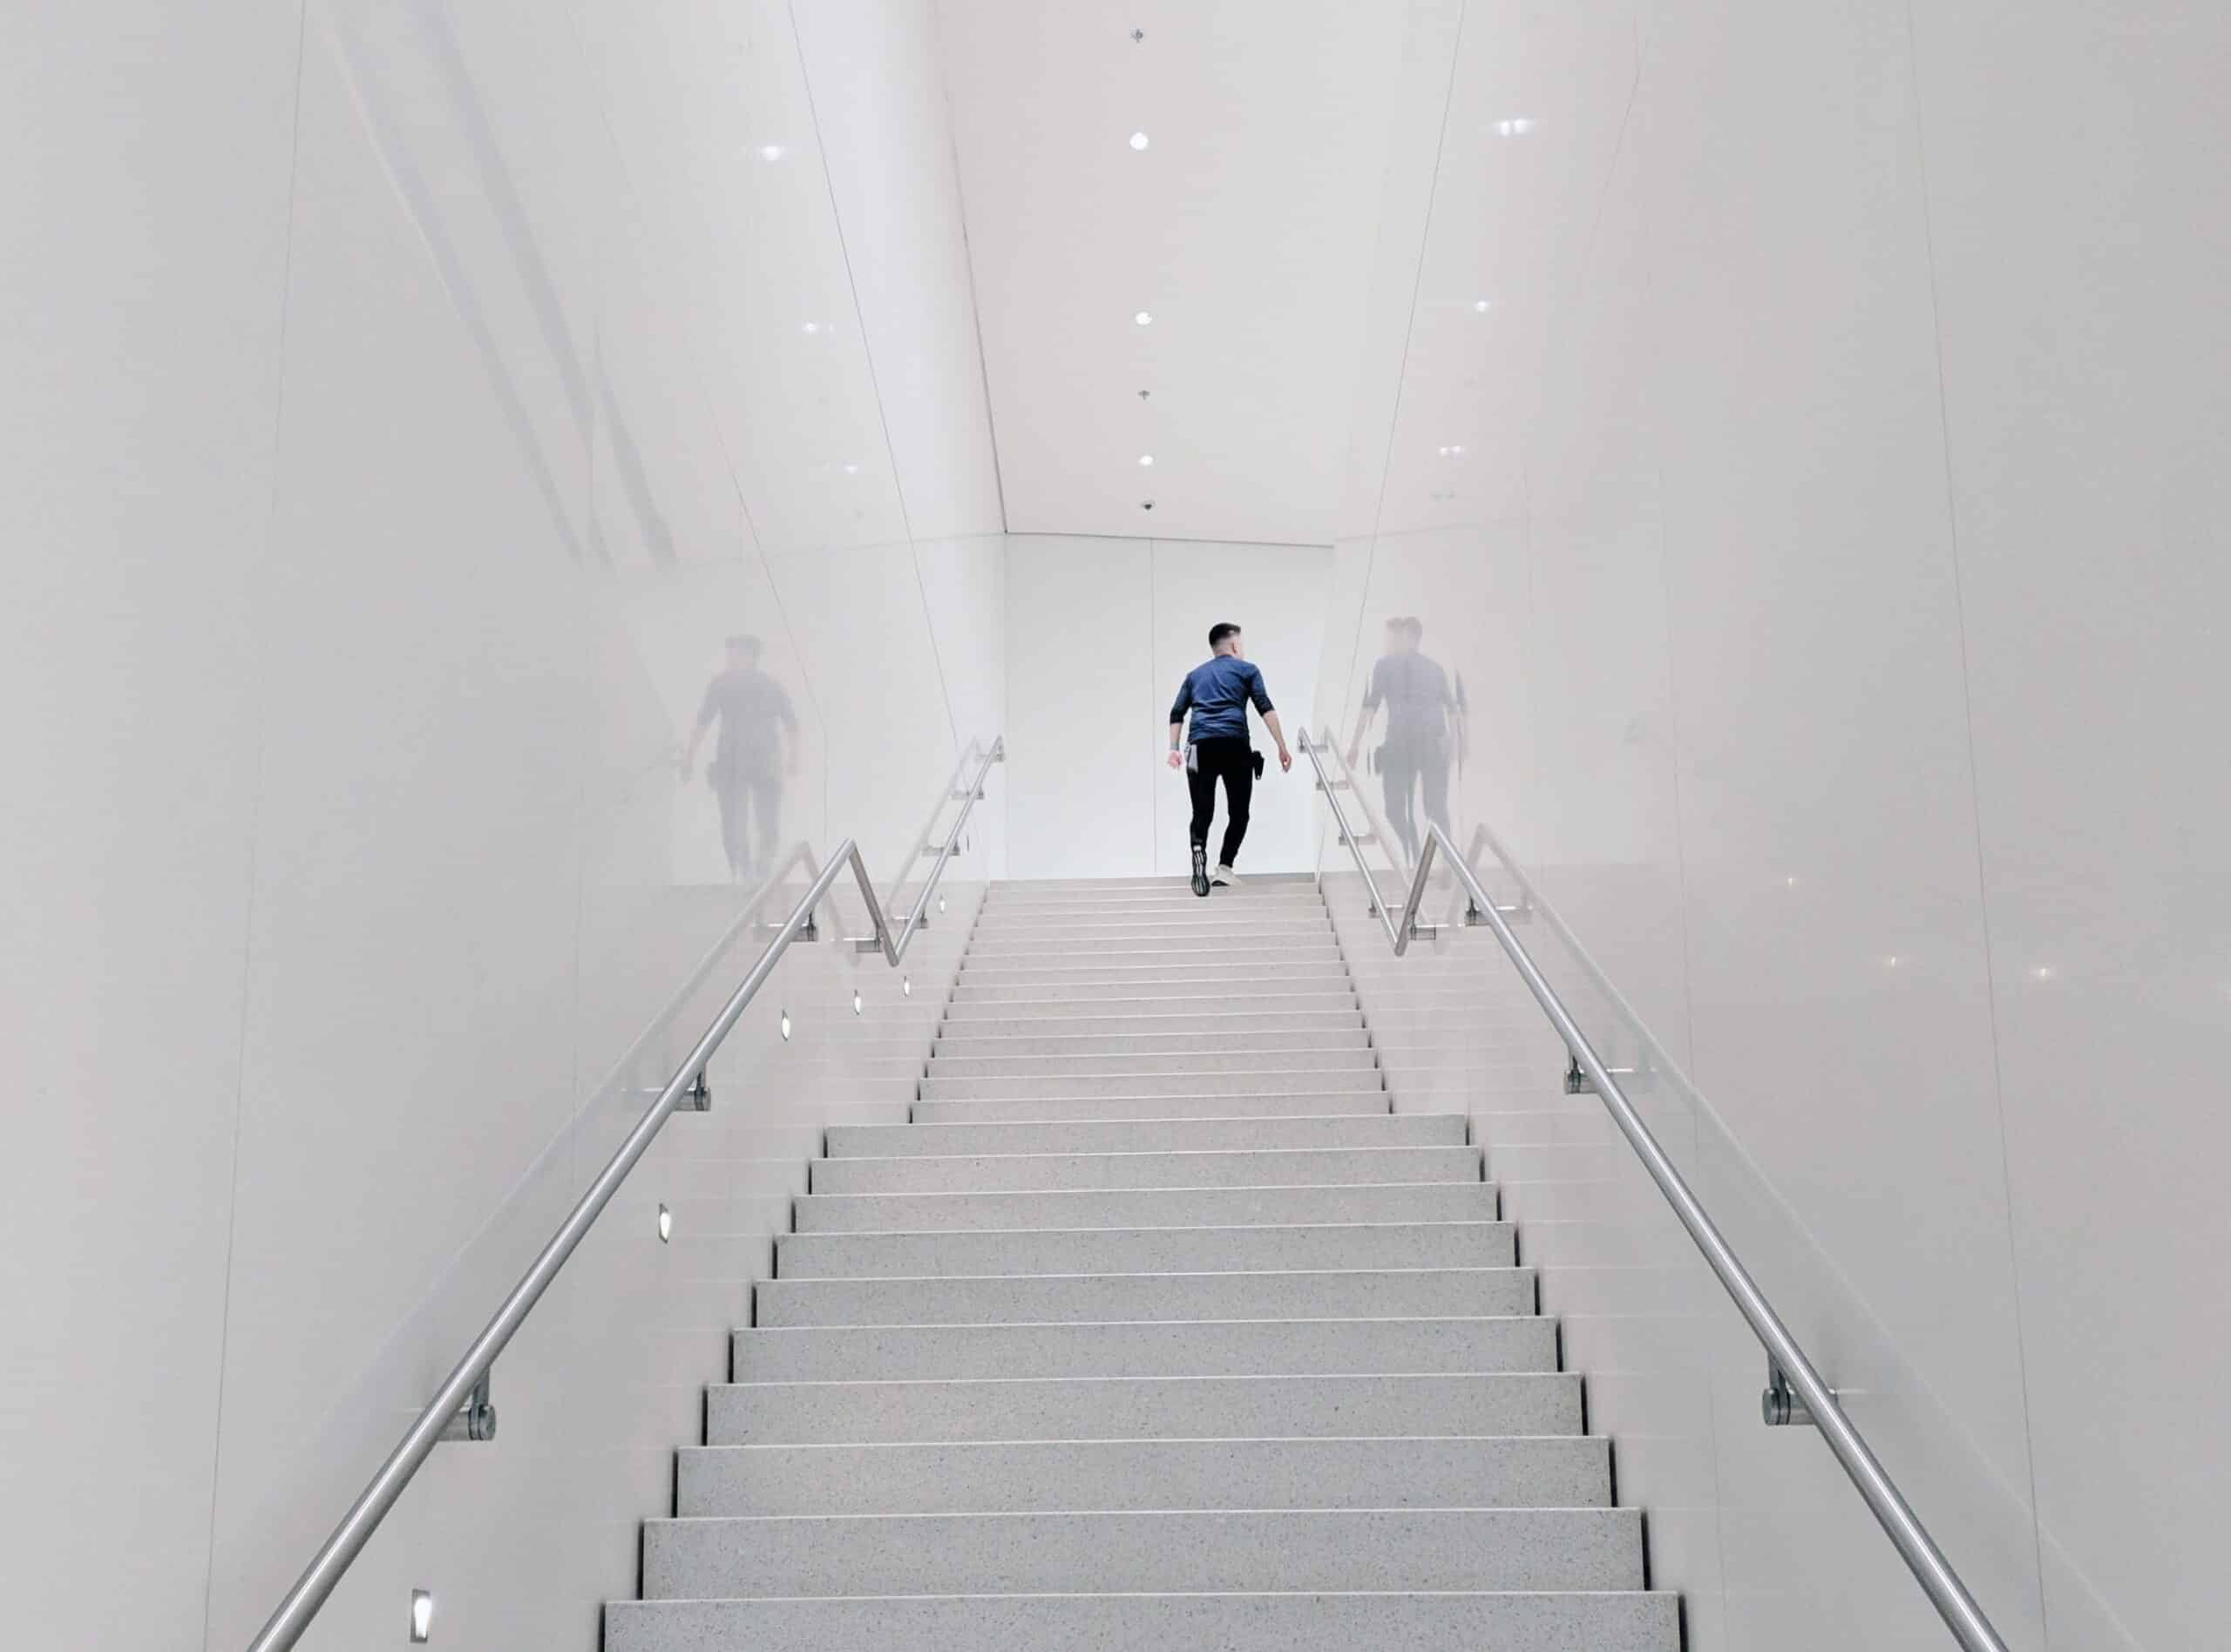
(1950, 1596)
(465, 1380)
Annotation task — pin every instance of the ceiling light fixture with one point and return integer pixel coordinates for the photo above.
(1482, 306)
(771, 152)
(1140, 140)
(1144, 318)
(1146, 458)
(1515, 126)
(810, 329)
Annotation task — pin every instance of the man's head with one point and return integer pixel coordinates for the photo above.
(1224, 640)
(743, 651)
(1414, 632)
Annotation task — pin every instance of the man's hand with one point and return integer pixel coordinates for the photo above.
(1175, 760)
(1285, 760)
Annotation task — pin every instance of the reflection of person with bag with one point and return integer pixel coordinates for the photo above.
(1424, 724)
(749, 758)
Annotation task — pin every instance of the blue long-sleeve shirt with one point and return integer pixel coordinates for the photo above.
(1218, 692)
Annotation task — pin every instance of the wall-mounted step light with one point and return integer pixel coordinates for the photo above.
(666, 1225)
(855, 1003)
(786, 1026)
(421, 1617)
(906, 986)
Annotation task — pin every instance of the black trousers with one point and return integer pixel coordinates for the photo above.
(1232, 760)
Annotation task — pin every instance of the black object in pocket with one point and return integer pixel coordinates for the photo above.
(1256, 757)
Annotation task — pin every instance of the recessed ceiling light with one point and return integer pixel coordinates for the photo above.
(1139, 140)
(1482, 306)
(809, 327)
(771, 152)
(1144, 318)
(1146, 458)
(1515, 126)
(853, 468)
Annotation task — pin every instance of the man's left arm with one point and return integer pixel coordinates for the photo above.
(1261, 695)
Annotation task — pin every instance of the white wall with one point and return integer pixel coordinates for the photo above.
(404, 403)
(1839, 504)
(1100, 635)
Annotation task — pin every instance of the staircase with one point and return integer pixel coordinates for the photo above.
(1157, 1327)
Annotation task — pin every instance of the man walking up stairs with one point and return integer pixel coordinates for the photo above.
(1156, 1327)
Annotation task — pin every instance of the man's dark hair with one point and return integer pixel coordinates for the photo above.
(1217, 633)
(748, 643)
(1415, 628)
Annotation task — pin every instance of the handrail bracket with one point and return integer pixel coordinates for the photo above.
(1780, 1404)
(475, 1419)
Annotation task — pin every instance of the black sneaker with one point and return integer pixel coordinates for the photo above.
(1200, 870)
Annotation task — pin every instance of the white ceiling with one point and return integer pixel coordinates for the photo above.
(1247, 229)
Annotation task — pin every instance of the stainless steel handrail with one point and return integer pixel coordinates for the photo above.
(882, 940)
(1400, 934)
(1950, 1596)
(347, 1541)
(953, 793)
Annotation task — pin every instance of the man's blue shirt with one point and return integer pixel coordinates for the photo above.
(1218, 692)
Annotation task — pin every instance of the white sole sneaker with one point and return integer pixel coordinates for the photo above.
(1224, 874)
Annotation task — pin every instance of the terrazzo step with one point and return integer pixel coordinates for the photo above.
(1184, 1348)
(1226, 1622)
(1261, 1248)
(1430, 1202)
(1058, 950)
(1160, 887)
(1194, 1081)
(1045, 1109)
(1380, 1129)
(1268, 1167)
(1222, 1058)
(1008, 1476)
(1187, 974)
(1210, 1012)
(1429, 1293)
(1175, 889)
(1202, 918)
(1284, 1407)
(1292, 1033)
(1174, 1550)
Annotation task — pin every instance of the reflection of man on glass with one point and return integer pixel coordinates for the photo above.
(1421, 710)
(759, 744)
